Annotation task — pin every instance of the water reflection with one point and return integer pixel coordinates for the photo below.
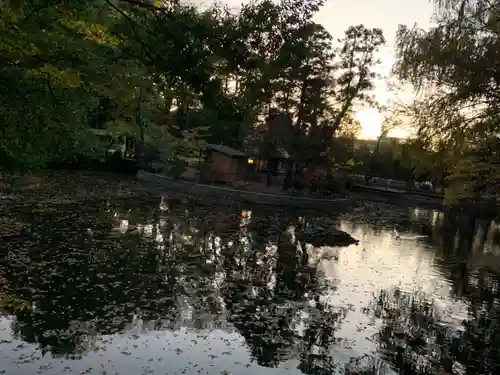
(127, 286)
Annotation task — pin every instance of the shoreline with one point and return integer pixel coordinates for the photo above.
(358, 194)
(45, 186)
(279, 200)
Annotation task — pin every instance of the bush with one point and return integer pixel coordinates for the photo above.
(115, 163)
(148, 155)
(294, 192)
(77, 161)
(328, 184)
(175, 168)
(205, 173)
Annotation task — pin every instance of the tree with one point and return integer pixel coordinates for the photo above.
(169, 68)
(327, 89)
(58, 62)
(477, 173)
(356, 59)
(195, 48)
(458, 60)
(349, 128)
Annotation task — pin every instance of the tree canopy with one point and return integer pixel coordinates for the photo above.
(455, 64)
(171, 68)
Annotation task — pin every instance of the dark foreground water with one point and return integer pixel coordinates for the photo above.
(143, 284)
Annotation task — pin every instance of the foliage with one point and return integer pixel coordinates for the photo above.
(55, 62)
(175, 167)
(456, 63)
(477, 172)
(349, 128)
(319, 94)
(165, 71)
(384, 158)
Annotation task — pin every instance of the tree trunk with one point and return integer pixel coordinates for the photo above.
(139, 115)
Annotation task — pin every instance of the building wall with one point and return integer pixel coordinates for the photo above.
(239, 166)
(221, 166)
(226, 168)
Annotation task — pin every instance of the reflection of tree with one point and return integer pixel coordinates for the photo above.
(81, 285)
(77, 294)
(268, 287)
(415, 342)
(462, 243)
(178, 265)
(409, 327)
(263, 318)
(413, 338)
(463, 253)
(268, 315)
(367, 365)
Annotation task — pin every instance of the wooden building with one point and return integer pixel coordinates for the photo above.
(226, 164)
(276, 161)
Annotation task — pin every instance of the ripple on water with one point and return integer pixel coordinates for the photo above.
(210, 290)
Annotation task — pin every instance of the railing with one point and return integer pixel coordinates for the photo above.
(378, 182)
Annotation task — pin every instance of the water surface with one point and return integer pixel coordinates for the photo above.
(150, 284)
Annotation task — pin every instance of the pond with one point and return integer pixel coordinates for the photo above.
(107, 282)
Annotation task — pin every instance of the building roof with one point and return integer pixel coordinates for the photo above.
(226, 150)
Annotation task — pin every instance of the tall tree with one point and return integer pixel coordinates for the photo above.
(93, 63)
(357, 58)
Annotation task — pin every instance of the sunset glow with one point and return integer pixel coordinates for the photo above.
(371, 122)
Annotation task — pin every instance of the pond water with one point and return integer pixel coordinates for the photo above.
(164, 285)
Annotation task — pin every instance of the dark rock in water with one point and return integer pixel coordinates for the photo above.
(317, 236)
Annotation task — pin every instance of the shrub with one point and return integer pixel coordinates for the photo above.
(175, 168)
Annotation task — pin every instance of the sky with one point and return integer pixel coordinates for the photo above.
(337, 15)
